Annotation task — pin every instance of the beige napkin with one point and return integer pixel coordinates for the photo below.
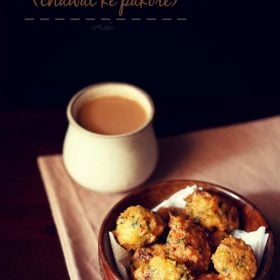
(245, 158)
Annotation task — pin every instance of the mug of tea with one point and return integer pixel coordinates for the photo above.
(110, 144)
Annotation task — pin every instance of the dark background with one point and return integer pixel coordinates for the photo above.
(218, 67)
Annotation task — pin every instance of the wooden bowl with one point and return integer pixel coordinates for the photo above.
(250, 219)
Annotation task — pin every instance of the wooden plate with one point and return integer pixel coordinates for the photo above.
(250, 218)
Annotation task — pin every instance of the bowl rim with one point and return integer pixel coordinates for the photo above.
(228, 192)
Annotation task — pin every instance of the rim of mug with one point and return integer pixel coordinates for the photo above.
(82, 91)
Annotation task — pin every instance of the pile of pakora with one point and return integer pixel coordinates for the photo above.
(186, 244)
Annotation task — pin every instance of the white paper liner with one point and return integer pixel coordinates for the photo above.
(256, 239)
(177, 199)
(122, 258)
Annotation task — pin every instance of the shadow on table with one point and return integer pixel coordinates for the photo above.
(172, 155)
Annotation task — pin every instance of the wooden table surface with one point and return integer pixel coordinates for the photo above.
(30, 246)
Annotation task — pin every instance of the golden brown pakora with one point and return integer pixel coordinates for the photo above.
(235, 260)
(142, 255)
(137, 227)
(160, 268)
(210, 276)
(187, 243)
(212, 211)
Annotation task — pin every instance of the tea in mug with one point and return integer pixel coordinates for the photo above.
(112, 115)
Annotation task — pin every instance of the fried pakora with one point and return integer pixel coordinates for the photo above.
(187, 243)
(160, 268)
(142, 255)
(212, 211)
(137, 227)
(210, 276)
(235, 260)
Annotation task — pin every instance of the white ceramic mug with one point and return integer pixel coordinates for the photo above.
(110, 163)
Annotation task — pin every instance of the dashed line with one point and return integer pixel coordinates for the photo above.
(104, 19)
(181, 19)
